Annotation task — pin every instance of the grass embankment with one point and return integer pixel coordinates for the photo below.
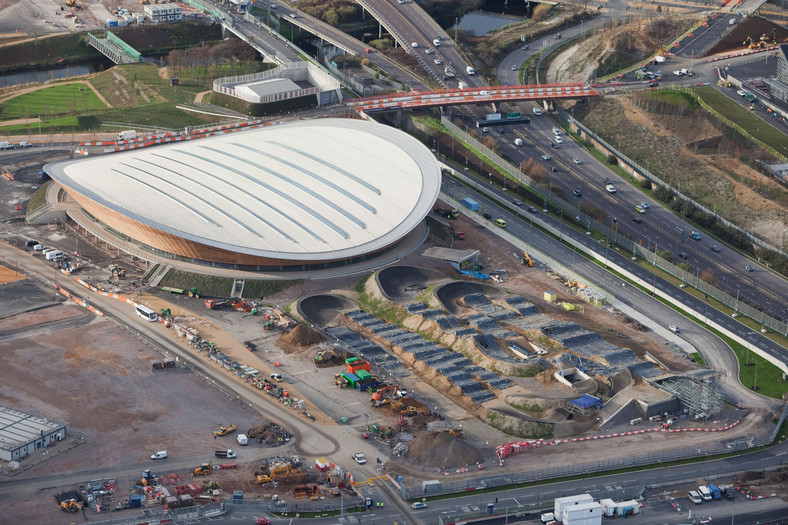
(214, 286)
(744, 118)
(58, 50)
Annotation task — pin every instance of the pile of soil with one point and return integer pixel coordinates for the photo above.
(301, 335)
(441, 449)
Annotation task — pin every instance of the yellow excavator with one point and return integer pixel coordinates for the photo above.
(71, 505)
(262, 479)
(526, 260)
(223, 431)
(203, 470)
(76, 4)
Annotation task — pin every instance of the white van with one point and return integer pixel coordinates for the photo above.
(518, 142)
(705, 493)
(556, 131)
(470, 70)
(242, 439)
(54, 254)
(537, 111)
(694, 497)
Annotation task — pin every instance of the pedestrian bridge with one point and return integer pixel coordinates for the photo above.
(456, 97)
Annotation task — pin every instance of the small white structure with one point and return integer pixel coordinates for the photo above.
(589, 513)
(560, 503)
(163, 13)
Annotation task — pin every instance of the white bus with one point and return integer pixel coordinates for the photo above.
(146, 313)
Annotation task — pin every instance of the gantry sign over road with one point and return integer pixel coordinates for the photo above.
(452, 97)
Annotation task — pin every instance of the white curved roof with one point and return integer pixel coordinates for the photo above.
(317, 189)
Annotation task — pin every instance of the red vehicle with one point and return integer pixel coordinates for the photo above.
(263, 521)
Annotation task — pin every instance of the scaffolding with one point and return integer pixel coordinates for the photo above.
(698, 391)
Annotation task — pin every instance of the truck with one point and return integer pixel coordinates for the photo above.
(224, 454)
(445, 212)
(470, 70)
(215, 304)
(6, 145)
(716, 493)
(127, 135)
(470, 203)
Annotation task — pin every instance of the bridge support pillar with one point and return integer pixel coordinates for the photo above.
(398, 119)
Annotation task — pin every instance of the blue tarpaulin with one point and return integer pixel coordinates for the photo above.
(587, 401)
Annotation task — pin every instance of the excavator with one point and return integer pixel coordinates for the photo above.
(380, 398)
(74, 4)
(203, 470)
(399, 408)
(223, 431)
(526, 260)
(262, 479)
(71, 505)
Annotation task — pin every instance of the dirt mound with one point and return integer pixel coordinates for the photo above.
(301, 335)
(443, 450)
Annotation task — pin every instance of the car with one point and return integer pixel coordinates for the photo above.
(553, 169)
(741, 92)
(39, 247)
(414, 45)
(263, 521)
(487, 216)
(419, 505)
(24, 144)
(577, 193)
(577, 161)
(533, 209)
(485, 130)
(428, 51)
(607, 181)
(637, 220)
(715, 248)
(517, 202)
(557, 36)
(514, 67)
(359, 458)
(695, 235)
(501, 131)
(644, 205)
(553, 145)
(161, 454)
(546, 157)
(653, 84)
(368, 50)
(558, 139)
(438, 61)
(683, 255)
(749, 268)
(30, 243)
(673, 328)
(524, 48)
(610, 188)
(640, 209)
(276, 377)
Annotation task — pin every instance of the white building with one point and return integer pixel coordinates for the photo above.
(163, 13)
(22, 434)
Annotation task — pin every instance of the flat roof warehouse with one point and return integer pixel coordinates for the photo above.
(319, 190)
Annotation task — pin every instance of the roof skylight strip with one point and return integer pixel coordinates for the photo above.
(312, 175)
(190, 193)
(250, 212)
(330, 165)
(276, 191)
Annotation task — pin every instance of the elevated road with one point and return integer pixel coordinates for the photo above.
(453, 97)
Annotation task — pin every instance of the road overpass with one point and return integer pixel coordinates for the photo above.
(454, 97)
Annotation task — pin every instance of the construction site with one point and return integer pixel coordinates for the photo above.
(443, 377)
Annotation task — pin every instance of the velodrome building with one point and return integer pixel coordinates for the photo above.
(298, 196)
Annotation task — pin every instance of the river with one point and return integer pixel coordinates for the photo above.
(42, 75)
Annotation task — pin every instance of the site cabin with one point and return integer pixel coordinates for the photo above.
(146, 313)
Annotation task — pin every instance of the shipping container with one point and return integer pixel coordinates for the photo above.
(352, 379)
(363, 374)
(470, 204)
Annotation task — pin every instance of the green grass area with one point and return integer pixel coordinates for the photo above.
(210, 285)
(698, 358)
(38, 200)
(62, 99)
(741, 116)
(52, 125)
